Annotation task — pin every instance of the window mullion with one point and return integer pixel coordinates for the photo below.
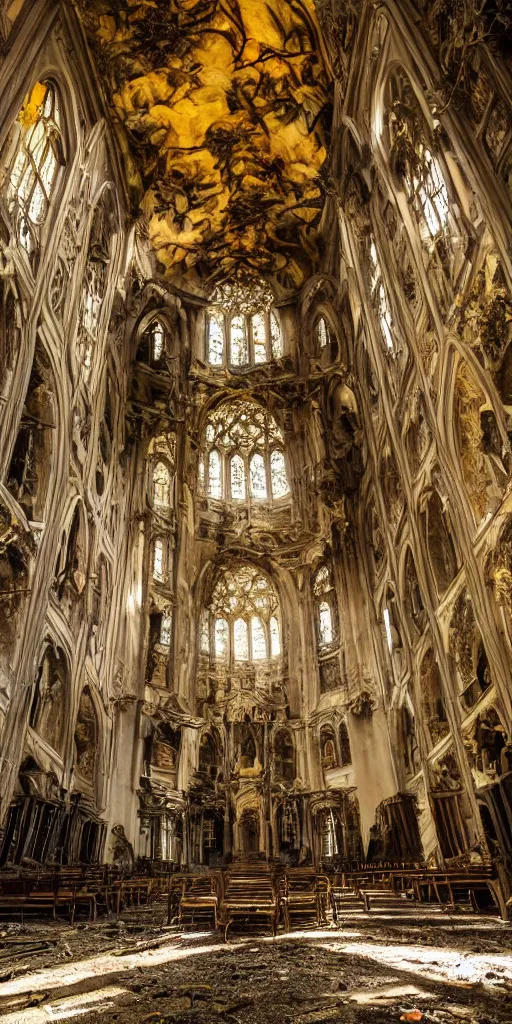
(250, 341)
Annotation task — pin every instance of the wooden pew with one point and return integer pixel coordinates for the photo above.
(250, 898)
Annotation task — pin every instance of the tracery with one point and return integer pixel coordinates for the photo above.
(242, 623)
(242, 328)
(39, 154)
(243, 454)
(325, 608)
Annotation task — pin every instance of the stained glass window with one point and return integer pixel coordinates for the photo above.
(237, 478)
(205, 635)
(240, 436)
(158, 560)
(258, 639)
(244, 309)
(259, 337)
(430, 188)
(325, 601)
(239, 346)
(423, 177)
(35, 168)
(246, 602)
(275, 639)
(214, 475)
(278, 474)
(221, 639)
(162, 485)
(201, 473)
(165, 631)
(322, 581)
(157, 341)
(322, 332)
(241, 640)
(325, 623)
(215, 335)
(258, 477)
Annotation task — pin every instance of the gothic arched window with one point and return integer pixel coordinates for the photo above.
(243, 452)
(39, 154)
(242, 619)
(214, 475)
(325, 603)
(323, 333)
(237, 475)
(275, 638)
(162, 485)
(166, 630)
(156, 337)
(241, 640)
(259, 650)
(158, 560)
(328, 752)
(221, 640)
(242, 329)
(152, 343)
(414, 159)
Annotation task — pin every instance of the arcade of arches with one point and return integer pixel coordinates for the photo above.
(256, 427)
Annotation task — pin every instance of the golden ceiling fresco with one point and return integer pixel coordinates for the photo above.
(224, 104)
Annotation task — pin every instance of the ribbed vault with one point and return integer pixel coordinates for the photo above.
(222, 106)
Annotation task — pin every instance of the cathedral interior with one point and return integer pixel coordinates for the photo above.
(255, 507)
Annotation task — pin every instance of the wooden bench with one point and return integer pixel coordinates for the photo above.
(250, 898)
(304, 898)
(199, 901)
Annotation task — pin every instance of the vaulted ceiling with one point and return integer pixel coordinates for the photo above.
(224, 107)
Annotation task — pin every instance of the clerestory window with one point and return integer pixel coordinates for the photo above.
(242, 621)
(324, 597)
(166, 630)
(242, 328)
(39, 154)
(158, 560)
(162, 485)
(323, 332)
(413, 155)
(243, 455)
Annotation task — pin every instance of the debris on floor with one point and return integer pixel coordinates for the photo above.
(116, 972)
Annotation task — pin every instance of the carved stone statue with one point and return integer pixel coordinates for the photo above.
(122, 850)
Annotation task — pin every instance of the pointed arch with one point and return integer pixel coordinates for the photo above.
(243, 616)
(242, 327)
(243, 452)
(33, 176)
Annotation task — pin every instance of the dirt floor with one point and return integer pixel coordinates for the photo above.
(137, 971)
